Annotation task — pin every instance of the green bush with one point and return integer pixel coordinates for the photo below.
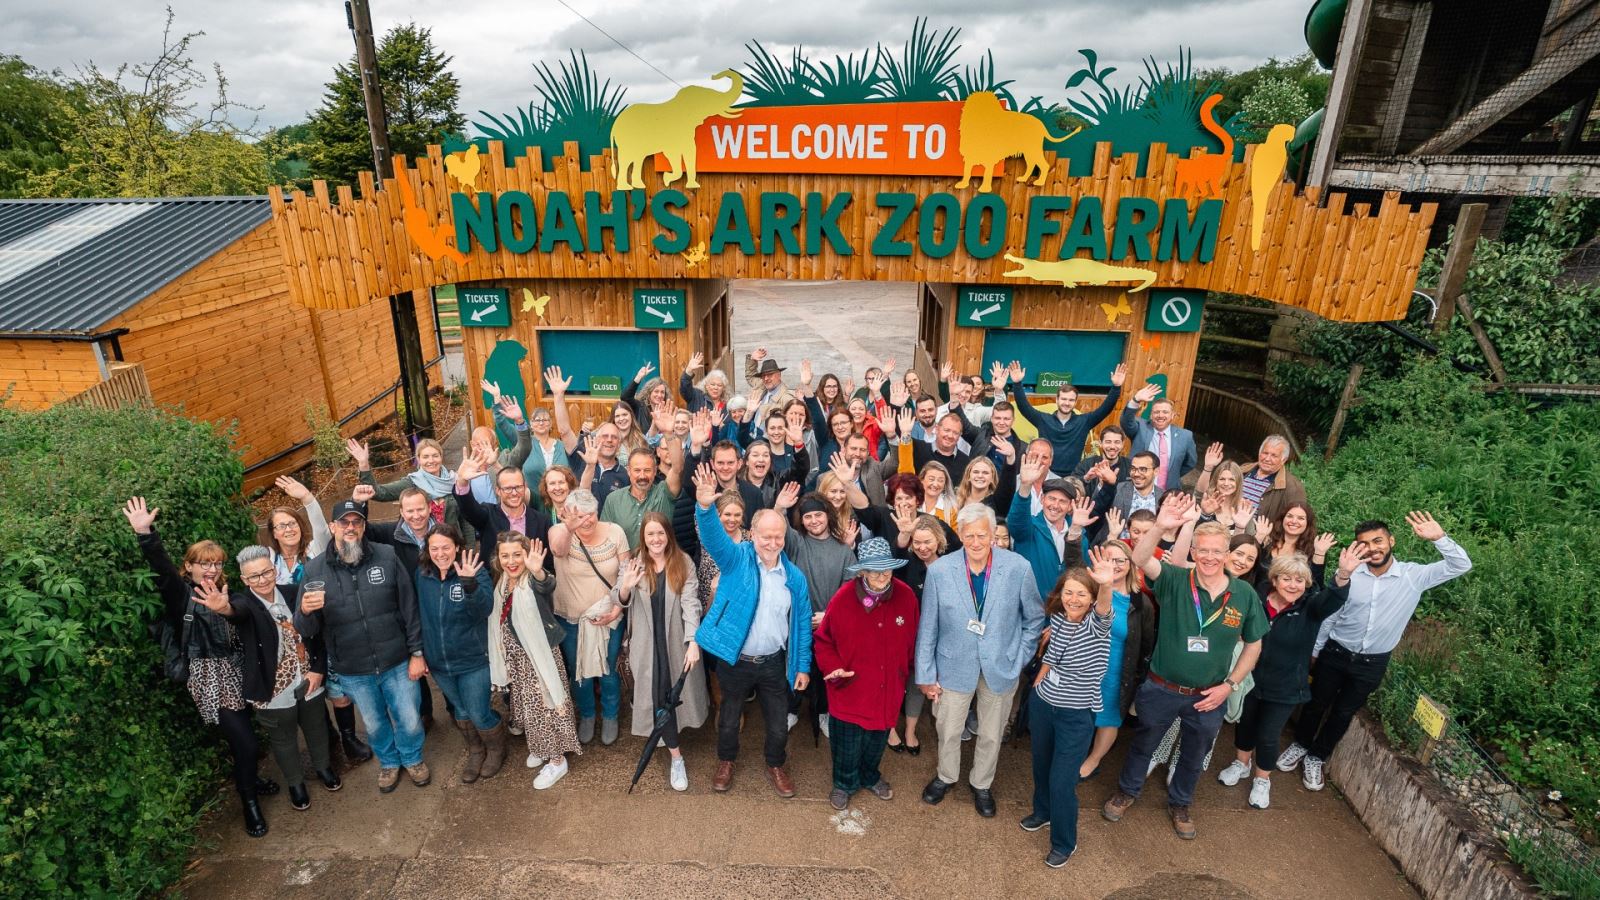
(1511, 647)
(105, 767)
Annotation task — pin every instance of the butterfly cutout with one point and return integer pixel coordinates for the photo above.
(528, 302)
(1120, 308)
(464, 166)
(695, 256)
(1150, 343)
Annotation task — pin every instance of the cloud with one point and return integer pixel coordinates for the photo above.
(278, 55)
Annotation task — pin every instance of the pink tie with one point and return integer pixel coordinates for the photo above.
(1161, 453)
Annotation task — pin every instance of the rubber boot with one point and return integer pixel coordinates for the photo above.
(255, 824)
(476, 752)
(494, 741)
(355, 751)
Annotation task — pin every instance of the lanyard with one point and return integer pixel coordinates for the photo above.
(977, 601)
(1195, 590)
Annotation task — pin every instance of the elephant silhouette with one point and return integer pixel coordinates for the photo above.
(645, 129)
(991, 134)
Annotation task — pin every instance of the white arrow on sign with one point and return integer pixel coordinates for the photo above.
(665, 317)
(478, 315)
(978, 314)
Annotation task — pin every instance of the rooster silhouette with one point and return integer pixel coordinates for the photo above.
(464, 166)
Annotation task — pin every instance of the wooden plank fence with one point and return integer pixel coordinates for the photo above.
(1241, 422)
(127, 386)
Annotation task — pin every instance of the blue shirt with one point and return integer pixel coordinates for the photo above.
(769, 631)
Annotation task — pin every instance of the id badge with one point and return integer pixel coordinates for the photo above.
(1054, 678)
(1199, 645)
(975, 626)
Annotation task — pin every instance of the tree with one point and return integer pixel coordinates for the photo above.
(420, 96)
(1276, 99)
(137, 133)
(33, 117)
(287, 149)
(1301, 70)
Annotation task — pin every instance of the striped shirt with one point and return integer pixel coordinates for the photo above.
(1077, 655)
(1254, 488)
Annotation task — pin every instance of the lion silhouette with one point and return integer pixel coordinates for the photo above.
(645, 129)
(991, 134)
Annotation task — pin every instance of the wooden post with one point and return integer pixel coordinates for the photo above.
(1469, 223)
(1352, 37)
(1482, 338)
(1345, 400)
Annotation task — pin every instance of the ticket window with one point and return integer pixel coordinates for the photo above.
(1089, 356)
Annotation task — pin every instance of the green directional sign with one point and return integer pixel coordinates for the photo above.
(1159, 378)
(981, 306)
(659, 308)
(1050, 382)
(484, 307)
(605, 385)
(1174, 311)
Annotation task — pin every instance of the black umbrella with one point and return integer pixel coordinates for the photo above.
(663, 711)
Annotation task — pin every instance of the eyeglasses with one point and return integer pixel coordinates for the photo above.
(207, 565)
(350, 523)
(285, 526)
(260, 576)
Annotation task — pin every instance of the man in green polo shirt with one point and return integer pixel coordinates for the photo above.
(645, 493)
(1205, 612)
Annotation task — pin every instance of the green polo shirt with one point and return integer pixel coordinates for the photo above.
(1243, 619)
(624, 510)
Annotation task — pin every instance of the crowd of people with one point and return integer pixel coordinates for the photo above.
(861, 554)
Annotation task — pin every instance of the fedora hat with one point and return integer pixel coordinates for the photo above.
(874, 556)
(768, 365)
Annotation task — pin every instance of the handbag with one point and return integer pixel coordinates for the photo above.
(174, 644)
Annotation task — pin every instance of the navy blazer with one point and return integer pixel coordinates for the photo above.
(1182, 455)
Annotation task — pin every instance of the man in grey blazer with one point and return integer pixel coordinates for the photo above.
(981, 620)
(1160, 436)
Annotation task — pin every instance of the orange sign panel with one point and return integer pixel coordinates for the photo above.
(852, 139)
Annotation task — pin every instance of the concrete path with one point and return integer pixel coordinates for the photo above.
(843, 327)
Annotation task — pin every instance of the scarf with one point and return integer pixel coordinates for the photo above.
(437, 487)
(870, 598)
(593, 640)
(518, 605)
(404, 530)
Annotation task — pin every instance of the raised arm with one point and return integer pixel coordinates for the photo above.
(1020, 397)
(1112, 397)
(558, 406)
(1455, 562)
(1174, 509)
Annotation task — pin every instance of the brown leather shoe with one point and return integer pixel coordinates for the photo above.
(724, 777)
(1181, 823)
(1116, 807)
(420, 775)
(387, 779)
(780, 781)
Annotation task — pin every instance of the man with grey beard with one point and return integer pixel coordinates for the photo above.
(360, 599)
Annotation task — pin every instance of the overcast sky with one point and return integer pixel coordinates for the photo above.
(277, 56)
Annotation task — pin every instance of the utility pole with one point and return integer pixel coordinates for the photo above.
(402, 307)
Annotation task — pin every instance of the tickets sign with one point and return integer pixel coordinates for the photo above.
(849, 139)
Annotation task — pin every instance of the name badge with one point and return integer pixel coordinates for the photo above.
(975, 626)
(1054, 678)
(1199, 645)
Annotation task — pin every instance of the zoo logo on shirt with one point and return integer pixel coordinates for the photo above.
(456, 593)
(375, 575)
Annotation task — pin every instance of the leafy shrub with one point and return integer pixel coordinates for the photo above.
(104, 765)
(327, 444)
(1510, 647)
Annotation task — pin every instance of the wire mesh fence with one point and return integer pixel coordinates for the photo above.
(1547, 845)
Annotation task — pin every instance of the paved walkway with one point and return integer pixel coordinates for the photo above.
(589, 837)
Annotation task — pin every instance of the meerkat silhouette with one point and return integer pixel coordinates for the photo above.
(1204, 171)
(1266, 171)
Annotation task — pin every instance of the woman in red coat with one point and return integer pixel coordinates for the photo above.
(865, 643)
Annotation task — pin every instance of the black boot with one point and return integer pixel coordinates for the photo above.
(354, 750)
(255, 824)
(329, 779)
(299, 798)
(265, 787)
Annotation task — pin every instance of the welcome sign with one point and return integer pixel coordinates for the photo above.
(863, 138)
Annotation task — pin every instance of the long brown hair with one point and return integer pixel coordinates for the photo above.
(1079, 574)
(677, 570)
(1304, 545)
(207, 551)
(267, 536)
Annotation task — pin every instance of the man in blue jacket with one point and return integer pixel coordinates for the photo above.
(981, 621)
(1049, 539)
(1065, 429)
(758, 628)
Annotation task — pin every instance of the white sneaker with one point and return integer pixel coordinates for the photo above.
(1260, 792)
(550, 774)
(1289, 759)
(793, 720)
(822, 722)
(1312, 776)
(678, 777)
(535, 762)
(1234, 773)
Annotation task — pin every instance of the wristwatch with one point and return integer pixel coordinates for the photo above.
(1232, 685)
(416, 654)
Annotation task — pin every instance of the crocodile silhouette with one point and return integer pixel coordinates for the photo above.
(1075, 272)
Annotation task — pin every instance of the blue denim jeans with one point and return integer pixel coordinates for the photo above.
(468, 696)
(388, 703)
(1061, 739)
(610, 683)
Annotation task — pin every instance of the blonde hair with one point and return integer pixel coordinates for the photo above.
(1288, 565)
(964, 494)
(425, 444)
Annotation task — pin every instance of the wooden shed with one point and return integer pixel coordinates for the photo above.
(187, 296)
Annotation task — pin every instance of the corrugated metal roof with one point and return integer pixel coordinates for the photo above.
(72, 265)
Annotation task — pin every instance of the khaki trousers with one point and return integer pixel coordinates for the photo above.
(950, 715)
